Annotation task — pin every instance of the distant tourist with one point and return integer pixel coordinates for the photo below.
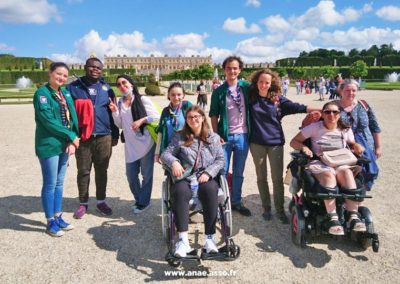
(202, 95)
(98, 134)
(56, 138)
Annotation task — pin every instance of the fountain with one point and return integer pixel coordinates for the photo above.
(157, 77)
(215, 73)
(23, 83)
(393, 77)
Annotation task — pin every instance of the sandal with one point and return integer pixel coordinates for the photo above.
(355, 222)
(335, 228)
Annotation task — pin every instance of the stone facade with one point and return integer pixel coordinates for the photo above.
(149, 65)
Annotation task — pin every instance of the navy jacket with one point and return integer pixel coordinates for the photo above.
(266, 127)
(101, 92)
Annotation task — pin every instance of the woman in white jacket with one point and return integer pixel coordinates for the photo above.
(132, 113)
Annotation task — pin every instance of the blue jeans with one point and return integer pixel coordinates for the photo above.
(53, 173)
(145, 165)
(239, 145)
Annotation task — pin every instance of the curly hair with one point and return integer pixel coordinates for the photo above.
(187, 132)
(233, 58)
(274, 90)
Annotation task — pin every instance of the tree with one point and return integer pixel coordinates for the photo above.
(359, 69)
(354, 52)
(281, 71)
(328, 71)
(299, 72)
(373, 51)
(205, 71)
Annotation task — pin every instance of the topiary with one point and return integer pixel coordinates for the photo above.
(152, 90)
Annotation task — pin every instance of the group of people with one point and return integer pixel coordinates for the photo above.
(83, 119)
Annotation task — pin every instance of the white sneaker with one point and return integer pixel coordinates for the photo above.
(210, 246)
(182, 248)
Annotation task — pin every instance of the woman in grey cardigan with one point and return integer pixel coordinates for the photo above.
(195, 143)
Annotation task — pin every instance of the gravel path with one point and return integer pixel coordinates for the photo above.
(127, 248)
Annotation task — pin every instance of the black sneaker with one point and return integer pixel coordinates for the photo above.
(241, 209)
(267, 215)
(282, 217)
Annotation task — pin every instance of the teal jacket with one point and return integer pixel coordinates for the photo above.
(52, 137)
(162, 126)
(219, 109)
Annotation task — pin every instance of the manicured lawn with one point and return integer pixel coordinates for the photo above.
(382, 86)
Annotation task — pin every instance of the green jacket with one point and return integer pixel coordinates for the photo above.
(219, 109)
(52, 137)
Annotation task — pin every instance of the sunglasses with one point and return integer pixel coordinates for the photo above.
(335, 112)
(192, 117)
(122, 83)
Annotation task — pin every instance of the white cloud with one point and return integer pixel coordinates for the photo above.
(5, 47)
(276, 23)
(181, 42)
(239, 26)
(217, 54)
(67, 58)
(367, 8)
(357, 38)
(390, 13)
(28, 11)
(254, 3)
(307, 34)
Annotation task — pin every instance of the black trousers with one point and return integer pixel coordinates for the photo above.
(208, 195)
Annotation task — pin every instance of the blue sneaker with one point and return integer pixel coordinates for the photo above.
(62, 224)
(53, 229)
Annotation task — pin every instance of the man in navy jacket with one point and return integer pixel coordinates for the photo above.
(92, 96)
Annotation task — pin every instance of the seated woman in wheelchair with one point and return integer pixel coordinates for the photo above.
(330, 134)
(198, 148)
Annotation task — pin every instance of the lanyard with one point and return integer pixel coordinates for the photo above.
(237, 100)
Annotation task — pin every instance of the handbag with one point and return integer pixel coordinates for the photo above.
(338, 158)
(189, 170)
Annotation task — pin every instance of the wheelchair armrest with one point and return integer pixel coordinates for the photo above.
(301, 158)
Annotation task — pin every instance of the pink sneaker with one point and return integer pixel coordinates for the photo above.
(80, 212)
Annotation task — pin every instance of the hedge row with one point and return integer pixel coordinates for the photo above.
(376, 73)
(387, 60)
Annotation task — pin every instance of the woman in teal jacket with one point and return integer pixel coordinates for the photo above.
(56, 138)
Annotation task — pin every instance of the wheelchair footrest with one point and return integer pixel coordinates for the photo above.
(191, 256)
(224, 253)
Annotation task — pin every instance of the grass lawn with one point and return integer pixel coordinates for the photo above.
(382, 86)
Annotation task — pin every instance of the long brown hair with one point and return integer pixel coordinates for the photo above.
(274, 90)
(205, 127)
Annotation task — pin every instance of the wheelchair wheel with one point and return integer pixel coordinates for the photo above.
(227, 203)
(297, 226)
(165, 212)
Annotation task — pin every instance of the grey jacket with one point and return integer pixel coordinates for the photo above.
(211, 158)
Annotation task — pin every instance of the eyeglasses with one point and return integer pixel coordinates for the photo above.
(125, 83)
(335, 112)
(192, 117)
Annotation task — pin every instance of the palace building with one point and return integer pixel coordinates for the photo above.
(149, 65)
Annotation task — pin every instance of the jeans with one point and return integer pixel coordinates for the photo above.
(274, 154)
(239, 145)
(96, 151)
(145, 165)
(53, 173)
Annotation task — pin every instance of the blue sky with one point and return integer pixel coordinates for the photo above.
(256, 30)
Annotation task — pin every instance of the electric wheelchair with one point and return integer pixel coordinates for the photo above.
(229, 251)
(308, 213)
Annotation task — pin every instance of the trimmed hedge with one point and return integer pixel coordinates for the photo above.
(152, 90)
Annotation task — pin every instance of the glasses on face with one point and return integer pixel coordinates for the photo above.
(122, 83)
(192, 117)
(335, 112)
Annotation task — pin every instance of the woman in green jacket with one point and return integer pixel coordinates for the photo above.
(56, 138)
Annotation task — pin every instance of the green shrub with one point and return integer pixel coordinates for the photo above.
(152, 90)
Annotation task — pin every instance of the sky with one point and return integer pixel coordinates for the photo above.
(260, 31)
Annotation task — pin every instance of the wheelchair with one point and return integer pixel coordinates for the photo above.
(308, 214)
(229, 251)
